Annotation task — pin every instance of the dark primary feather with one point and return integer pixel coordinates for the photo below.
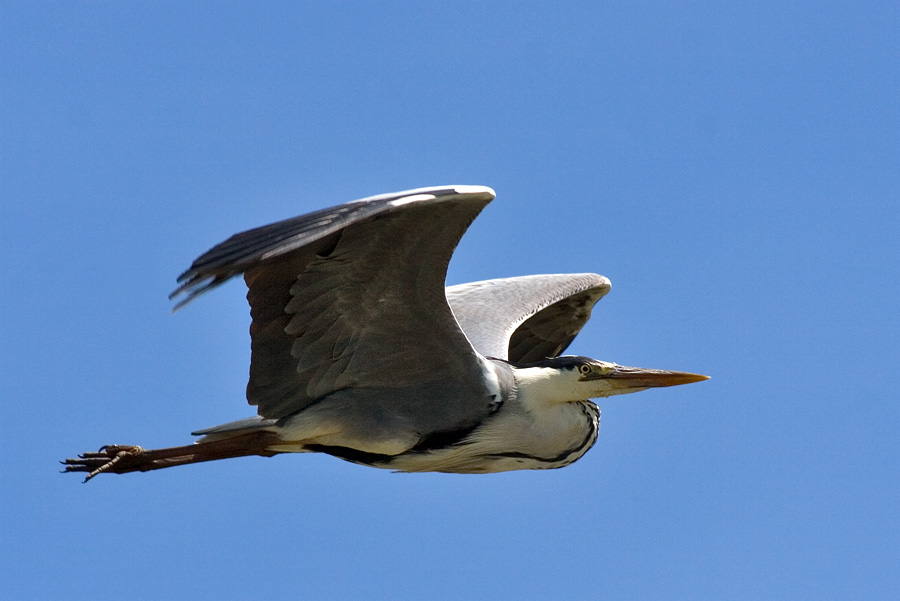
(550, 331)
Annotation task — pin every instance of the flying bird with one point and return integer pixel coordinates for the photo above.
(359, 351)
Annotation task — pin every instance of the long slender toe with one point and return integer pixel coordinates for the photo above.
(110, 458)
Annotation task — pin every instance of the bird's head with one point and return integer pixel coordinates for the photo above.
(571, 378)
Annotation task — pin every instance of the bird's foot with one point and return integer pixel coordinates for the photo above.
(114, 458)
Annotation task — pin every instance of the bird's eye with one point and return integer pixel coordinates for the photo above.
(585, 369)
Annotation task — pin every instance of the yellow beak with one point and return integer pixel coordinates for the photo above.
(639, 377)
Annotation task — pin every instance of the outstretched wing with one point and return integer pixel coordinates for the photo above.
(529, 318)
(352, 297)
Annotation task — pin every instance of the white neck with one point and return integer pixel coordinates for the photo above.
(539, 387)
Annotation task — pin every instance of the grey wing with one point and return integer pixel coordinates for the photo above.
(352, 297)
(529, 318)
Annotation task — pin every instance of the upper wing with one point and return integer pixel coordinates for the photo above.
(526, 319)
(353, 297)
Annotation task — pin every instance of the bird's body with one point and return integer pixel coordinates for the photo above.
(359, 351)
(526, 434)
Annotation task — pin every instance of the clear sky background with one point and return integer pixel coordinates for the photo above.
(734, 169)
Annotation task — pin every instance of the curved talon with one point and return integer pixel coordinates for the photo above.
(116, 449)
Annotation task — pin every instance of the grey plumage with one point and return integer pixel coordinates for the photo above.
(359, 351)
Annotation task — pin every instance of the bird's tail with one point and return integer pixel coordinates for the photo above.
(121, 459)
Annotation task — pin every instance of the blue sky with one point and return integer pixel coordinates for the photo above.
(734, 169)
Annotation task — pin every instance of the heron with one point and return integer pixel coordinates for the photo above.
(358, 349)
